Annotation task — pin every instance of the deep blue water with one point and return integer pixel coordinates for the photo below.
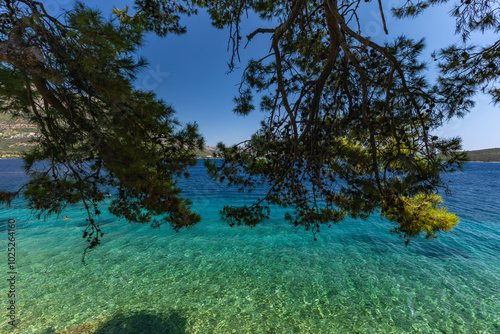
(357, 278)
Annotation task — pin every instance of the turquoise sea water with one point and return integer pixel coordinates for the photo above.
(357, 278)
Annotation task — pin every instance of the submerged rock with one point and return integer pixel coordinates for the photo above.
(87, 328)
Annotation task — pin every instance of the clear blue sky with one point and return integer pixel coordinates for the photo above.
(190, 71)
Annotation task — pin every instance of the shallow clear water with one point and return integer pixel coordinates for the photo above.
(271, 279)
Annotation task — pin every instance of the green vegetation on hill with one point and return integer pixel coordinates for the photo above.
(488, 155)
(16, 135)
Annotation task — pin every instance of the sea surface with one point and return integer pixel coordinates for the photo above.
(356, 278)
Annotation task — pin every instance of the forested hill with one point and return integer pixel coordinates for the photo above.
(16, 133)
(488, 155)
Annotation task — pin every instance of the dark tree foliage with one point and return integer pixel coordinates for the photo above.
(348, 122)
(466, 66)
(72, 77)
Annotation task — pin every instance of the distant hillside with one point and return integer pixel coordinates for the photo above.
(208, 152)
(488, 155)
(15, 135)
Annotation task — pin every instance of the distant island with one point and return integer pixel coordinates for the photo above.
(15, 135)
(488, 155)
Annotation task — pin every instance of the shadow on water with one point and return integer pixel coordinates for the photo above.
(376, 244)
(431, 248)
(4, 225)
(138, 323)
(101, 222)
(144, 323)
(440, 250)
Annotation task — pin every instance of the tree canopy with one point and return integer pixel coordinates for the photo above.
(72, 77)
(347, 129)
(348, 122)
